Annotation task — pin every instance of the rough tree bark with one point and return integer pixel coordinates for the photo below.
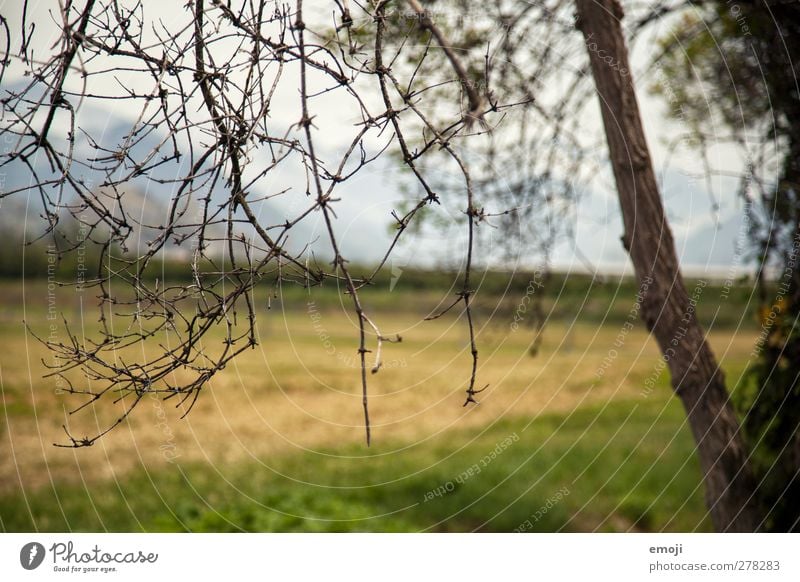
(696, 377)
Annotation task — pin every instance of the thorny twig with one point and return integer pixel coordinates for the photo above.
(200, 94)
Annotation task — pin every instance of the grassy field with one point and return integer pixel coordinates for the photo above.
(568, 440)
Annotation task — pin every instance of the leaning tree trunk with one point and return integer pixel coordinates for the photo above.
(696, 377)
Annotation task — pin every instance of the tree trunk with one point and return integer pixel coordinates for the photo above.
(666, 308)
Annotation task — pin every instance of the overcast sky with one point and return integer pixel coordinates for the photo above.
(705, 238)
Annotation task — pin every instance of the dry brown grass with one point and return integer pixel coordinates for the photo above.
(297, 391)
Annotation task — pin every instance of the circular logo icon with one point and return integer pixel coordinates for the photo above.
(31, 555)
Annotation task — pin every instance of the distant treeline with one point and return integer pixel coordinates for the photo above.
(606, 298)
(67, 263)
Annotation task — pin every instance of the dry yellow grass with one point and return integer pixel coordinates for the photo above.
(300, 388)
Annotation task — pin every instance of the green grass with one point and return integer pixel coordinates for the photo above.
(626, 465)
